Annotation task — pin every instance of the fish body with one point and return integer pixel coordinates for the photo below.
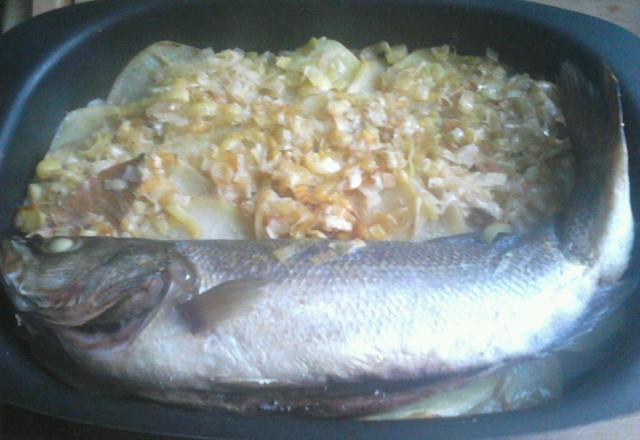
(306, 325)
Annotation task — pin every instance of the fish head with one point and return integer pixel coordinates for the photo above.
(90, 292)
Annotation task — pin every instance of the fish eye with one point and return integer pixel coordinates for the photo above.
(61, 245)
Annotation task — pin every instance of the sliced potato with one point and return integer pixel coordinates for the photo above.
(189, 182)
(78, 127)
(514, 386)
(367, 76)
(208, 219)
(325, 63)
(530, 383)
(137, 78)
(450, 403)
(392, 54)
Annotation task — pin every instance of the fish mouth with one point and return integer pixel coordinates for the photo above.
(108, 335)
(15, 253)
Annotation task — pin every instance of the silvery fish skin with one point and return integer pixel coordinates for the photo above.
(306, 325)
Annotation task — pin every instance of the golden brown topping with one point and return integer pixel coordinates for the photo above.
(318, 142)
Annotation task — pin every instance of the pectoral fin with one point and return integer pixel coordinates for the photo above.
(220, 303)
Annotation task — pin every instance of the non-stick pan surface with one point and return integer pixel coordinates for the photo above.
(61, 60)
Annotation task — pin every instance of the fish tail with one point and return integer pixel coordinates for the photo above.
(599, 211)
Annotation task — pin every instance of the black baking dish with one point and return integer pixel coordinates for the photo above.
(61, 60)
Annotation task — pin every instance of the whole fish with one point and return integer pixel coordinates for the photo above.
(333, 328)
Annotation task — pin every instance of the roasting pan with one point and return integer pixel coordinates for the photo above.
(61, 60)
